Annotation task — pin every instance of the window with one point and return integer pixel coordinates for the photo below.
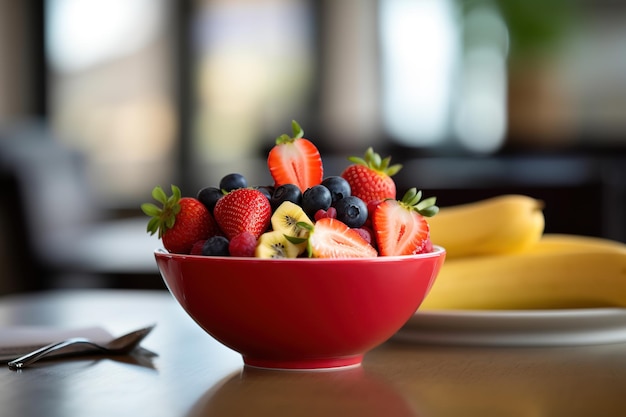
(253, 72)
(474, 77)
(111, 90)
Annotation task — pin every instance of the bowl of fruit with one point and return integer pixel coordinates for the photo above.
(311, 272)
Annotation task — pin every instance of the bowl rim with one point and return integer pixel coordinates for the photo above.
(436, 252)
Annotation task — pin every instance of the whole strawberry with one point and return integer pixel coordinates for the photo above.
(400, 227)
(370, 177)
(243, 210)
(180, 222)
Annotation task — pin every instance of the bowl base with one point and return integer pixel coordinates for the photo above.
(316, 364)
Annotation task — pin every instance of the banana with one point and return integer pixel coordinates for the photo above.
(573, 273)
(503, 224)
(555, 242)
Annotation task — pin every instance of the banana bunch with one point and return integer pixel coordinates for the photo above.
(503, 224)
(527, 269)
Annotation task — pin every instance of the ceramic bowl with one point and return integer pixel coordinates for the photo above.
(300, 313)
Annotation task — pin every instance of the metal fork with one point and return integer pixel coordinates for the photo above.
(120, 345)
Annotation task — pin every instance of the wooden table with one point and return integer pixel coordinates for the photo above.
(196, 376)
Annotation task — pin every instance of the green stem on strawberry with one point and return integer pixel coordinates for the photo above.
(297, 133)
(163, 218)
(374, 161)
(412, 200)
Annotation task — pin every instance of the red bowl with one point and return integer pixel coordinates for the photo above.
(300, 313)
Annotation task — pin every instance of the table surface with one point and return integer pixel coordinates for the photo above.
(193, 375)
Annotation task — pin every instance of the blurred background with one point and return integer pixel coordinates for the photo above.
(101, 100)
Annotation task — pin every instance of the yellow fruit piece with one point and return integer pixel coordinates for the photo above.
(564, 275)
(555, 242)
(286, 219)
(504, 224)
(274, 245)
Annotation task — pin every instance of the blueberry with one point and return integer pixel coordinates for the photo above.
(286, 192)
(216, 246)
(338, 187)
(352, 211)
(316, 198)
(233, 181)
(267, 190)
(209, 197)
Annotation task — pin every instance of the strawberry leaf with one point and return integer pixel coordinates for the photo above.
(357, 160)
(159, 195)
(412, 200)
(153, 226)
(412, 197)
(162, 218)
(424, 204)
(374, 161)
(375, 158)
(298, 132)
(429, 211)
(384, 165)
(150, 209)
(393, 170)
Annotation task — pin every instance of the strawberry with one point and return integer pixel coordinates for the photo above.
(331, 238)
(370, 177)
(243, 210)
(180, 222)
(295, 160)
(400, 227)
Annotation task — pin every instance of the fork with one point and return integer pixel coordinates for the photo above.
(120, 345)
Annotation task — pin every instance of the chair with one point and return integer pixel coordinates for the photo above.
(65, 235)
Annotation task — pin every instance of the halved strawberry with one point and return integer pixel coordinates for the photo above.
(243, 210)
(180, 222)
(295, 160)
(370, 177)
(331, 238)
(400, 227)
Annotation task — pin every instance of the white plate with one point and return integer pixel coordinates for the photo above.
(517, 328)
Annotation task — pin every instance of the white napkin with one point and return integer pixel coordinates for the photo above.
(18, 341)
